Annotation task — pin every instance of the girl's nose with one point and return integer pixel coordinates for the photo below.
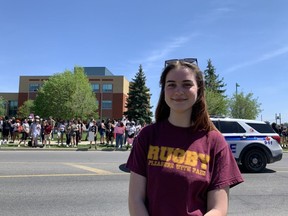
(179, 90)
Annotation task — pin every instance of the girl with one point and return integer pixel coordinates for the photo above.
(181, 165)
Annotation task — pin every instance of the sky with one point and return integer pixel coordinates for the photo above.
(247, 42)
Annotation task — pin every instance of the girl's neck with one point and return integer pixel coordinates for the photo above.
(180, 119)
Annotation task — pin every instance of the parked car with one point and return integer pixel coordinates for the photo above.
(253, 143)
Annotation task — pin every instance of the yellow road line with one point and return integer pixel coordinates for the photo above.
(56, 175)
(95, 171)
(42, 162)
(90, 169)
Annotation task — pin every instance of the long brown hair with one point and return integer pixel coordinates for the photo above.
(199, 117)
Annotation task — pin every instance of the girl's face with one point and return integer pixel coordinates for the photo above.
(181, 89)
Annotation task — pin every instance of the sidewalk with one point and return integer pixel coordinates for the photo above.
(82, 146)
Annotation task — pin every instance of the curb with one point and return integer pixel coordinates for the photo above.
(83, 146)
(62, 149)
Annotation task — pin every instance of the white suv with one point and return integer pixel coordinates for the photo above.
(253, 143)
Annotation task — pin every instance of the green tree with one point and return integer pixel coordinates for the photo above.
(26, 109)
(217, 102)
(138, 101)
(212, 80)
(2, 106)
(244, 106)
(67, 95)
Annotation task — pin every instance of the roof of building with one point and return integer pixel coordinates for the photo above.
(97, 71)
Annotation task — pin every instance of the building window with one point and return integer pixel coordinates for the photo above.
(106, 104)
(107, 88)
(12, 107)
(33, 87)
(95, 87)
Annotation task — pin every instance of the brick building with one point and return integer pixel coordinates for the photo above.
(111, 92)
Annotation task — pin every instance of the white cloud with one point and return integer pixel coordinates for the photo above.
(162, 52)
(262, 58)
(154, 59)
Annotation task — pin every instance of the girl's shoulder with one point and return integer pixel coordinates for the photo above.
(216, 139)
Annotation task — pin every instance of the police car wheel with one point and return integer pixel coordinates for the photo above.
(254, 161)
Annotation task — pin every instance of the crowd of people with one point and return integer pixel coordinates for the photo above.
(281, 129)
(38, 132)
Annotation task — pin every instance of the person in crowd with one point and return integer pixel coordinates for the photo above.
(139, 127)
(82, 128)
(110, 132)
(12, 128)
(48, 130)
(6, 125)
(181, 164)
(119, 131)
(60, 132)
(42, 123)
(88, 125)
(131, 132)
(275, 127)
(35, 130)
(74, 133)
(284, 135)
(92, 134)
(102, 131)
(69, 133)
(280, 128)
(127, 125)
(16, 130)
(25, 132)
(53, 124)
(30, 120)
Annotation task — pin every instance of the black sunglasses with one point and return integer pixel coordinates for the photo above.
(189, 60)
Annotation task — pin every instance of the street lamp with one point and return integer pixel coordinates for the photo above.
(236, 99)
(237, 85)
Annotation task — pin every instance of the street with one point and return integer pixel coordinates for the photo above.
(96, 183)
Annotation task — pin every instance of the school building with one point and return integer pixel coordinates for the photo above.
(111, 92)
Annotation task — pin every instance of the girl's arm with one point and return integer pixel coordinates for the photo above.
(137, 195)
(217, 202)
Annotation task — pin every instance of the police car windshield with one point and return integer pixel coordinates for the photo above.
(261, 128)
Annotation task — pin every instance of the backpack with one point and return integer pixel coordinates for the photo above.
(20, 128)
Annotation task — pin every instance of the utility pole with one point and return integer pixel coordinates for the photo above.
(237, 85)
(236, 99)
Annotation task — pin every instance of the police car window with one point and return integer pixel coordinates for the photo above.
(261, 128)
(230, 127)
(216, 125)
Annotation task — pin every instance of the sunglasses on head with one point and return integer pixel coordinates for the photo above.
(189, 60)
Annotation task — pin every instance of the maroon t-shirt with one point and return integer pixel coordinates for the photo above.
(181, 167)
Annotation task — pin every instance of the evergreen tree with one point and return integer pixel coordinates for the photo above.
(212, 81)
(216, 100)
(138, 101)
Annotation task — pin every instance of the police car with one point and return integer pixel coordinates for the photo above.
(253, 143)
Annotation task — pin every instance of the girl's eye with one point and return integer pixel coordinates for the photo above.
(188, 85)
(171, 85)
